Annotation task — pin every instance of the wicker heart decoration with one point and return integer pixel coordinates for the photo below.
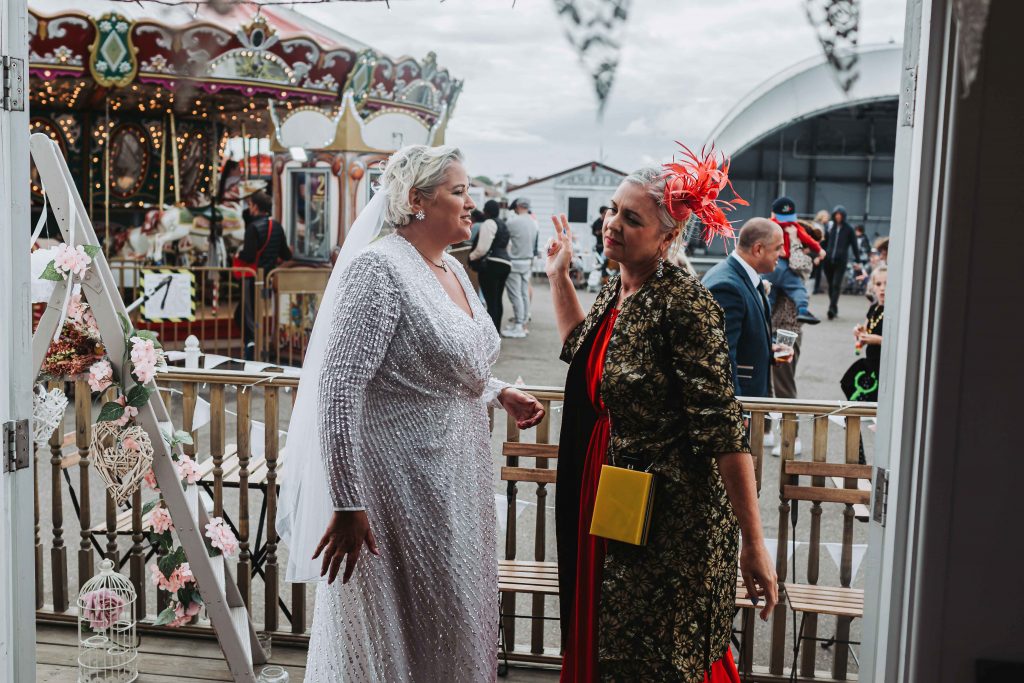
(47, 412)
(121, 456)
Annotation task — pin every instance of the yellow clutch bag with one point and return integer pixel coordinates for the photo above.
(622, 509)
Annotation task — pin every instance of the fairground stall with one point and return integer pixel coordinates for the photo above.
(254, 98)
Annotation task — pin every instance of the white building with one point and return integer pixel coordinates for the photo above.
(578, 192)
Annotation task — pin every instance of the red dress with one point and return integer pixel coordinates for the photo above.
(579, 664)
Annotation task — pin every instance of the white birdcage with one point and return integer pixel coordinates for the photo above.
(107, 644)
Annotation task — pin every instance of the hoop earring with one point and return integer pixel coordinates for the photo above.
(661, 267)
(420, 215)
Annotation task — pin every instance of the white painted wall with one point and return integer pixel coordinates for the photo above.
(17, 582)
(551, 196)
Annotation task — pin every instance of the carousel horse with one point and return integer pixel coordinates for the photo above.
(161, 228)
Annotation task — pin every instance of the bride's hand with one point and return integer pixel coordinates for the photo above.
(560, 249)
(524, 408)
(345, 535)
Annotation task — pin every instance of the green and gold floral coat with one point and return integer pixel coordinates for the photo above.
(667, 607)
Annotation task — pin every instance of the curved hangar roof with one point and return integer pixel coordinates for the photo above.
(805, 89)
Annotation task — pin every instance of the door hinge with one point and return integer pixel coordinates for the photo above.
(881, 508)
(908, 96)
(13, 96)
(16, 445)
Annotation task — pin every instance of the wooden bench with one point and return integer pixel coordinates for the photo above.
(812, 600)
(536, 577)
(860, 512)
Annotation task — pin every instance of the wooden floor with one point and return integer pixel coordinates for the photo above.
(166, 659)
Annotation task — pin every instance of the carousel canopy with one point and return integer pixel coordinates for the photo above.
(227, 67)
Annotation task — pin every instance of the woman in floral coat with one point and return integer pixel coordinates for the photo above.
(650, 386)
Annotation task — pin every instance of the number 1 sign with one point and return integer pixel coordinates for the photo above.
(170, 295)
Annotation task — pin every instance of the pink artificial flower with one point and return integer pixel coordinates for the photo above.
(145, 358)
(102, 608)
(181, 576)
(101, 376)
(129, 412)
(144, 372)
(184, 614)
(158, 578)
(188, 470)
(143, 351)
(160, 520)
(76, 308)
(221, 537)
(150, 480)
(92, 328)
(68, 260)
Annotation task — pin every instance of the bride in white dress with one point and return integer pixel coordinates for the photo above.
(389, 446)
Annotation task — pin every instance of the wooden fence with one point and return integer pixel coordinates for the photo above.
(237, 419)
(283, 304)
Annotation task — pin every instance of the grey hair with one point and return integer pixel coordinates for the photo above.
(652, 180)
(414, 167)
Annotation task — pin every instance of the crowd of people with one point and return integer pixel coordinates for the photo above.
(762, 289)
(390, 425)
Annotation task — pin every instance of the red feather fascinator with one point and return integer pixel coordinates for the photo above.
(692, 187)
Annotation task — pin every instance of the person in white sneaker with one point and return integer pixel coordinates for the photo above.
(522, 247)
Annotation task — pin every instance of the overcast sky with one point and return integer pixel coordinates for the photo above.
(528, 107)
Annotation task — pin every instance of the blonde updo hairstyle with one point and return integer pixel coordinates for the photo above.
(652, 180)
(414, 167)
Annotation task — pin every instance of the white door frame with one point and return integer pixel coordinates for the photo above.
(17, 518)
(927, 104)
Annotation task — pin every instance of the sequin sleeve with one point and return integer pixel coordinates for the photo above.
(493, 390)
(366, 314)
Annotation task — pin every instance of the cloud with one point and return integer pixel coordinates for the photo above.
(528, 108)
(638, 126)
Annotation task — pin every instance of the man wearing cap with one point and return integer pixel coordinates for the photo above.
(783, 277)
(522, 247)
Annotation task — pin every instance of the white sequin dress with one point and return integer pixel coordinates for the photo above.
(403, 415)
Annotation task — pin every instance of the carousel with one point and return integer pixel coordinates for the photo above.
(169, 116)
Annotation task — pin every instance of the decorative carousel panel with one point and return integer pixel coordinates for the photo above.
(252, 65)
(129, 160)
(407, 71)
(308, 128)
(195, 161)
(309, 222)
(156, 48)
(59, 45)
(361, 79)
(258, 34)
(113, 62)
(335, 69)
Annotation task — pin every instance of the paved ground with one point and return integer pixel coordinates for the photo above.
(827, 352)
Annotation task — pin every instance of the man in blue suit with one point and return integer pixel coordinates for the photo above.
(737, 286)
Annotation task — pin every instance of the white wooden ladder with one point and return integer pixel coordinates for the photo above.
(220, 594)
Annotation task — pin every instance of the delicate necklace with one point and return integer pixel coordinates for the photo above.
(874, 320)
(442, 265)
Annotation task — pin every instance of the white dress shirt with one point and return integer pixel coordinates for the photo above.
(755, 279)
